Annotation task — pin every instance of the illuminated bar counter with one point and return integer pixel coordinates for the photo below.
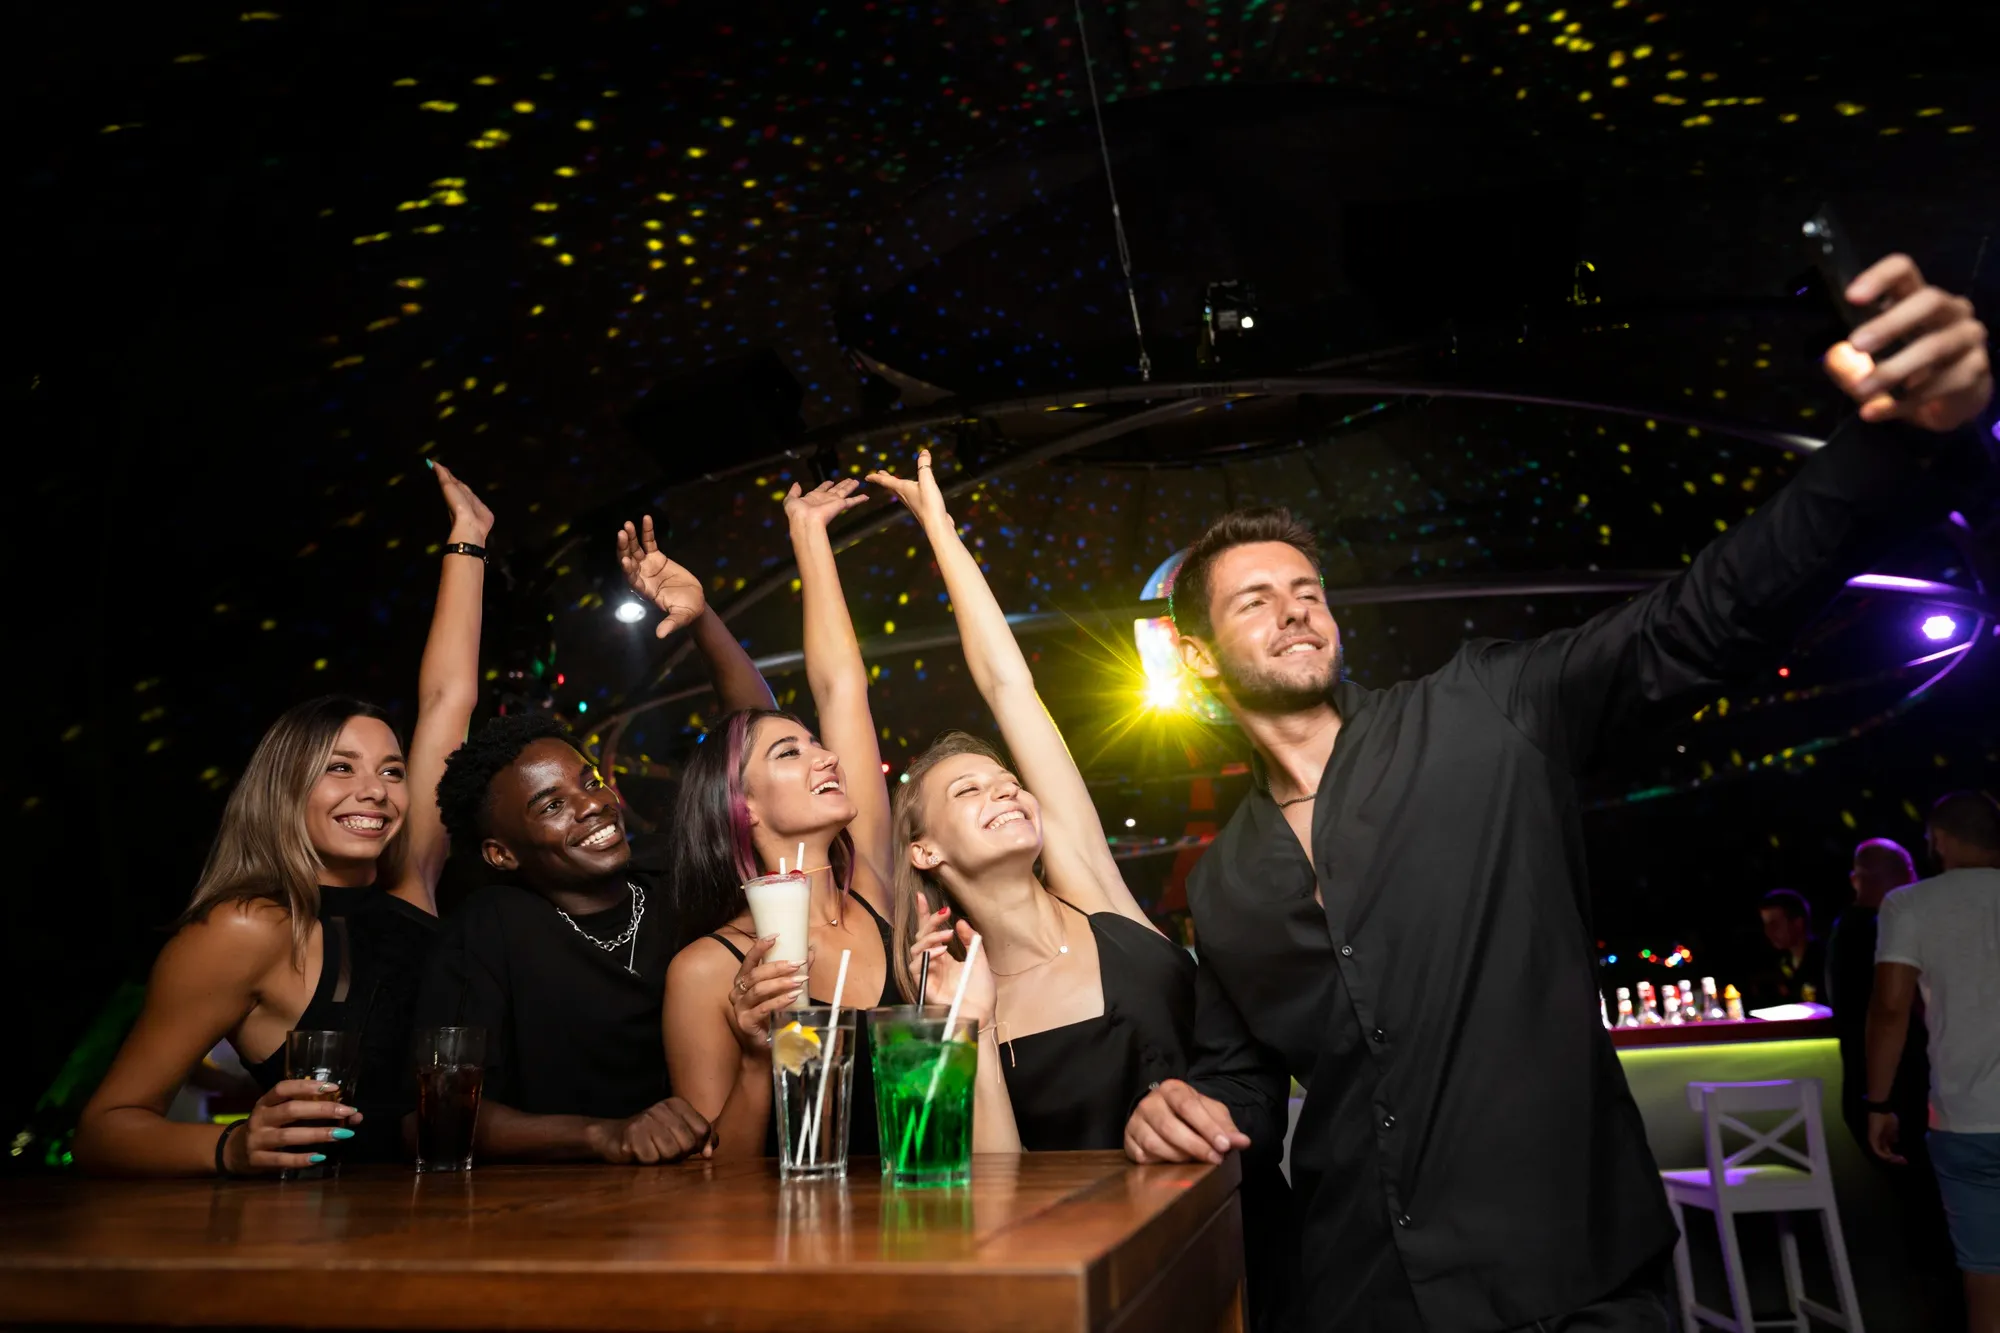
(1661, 1061)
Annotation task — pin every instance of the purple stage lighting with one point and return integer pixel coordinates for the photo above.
(1939, 628)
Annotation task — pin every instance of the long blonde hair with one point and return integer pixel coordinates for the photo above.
(262, 849)
(907, 821)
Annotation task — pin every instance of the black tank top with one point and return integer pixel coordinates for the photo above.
(863, 1135)
(372, 951)
(1074, 1086)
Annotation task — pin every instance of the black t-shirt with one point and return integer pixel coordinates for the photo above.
(569, 1031)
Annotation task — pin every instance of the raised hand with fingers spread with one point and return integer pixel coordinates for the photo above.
(824, 502)
(649, 573)
(921, 496)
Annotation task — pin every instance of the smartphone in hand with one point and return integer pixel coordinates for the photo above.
(1832, 253)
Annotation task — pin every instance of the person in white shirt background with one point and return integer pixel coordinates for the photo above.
(1941, 936)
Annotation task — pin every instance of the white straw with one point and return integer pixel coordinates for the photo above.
(826, 1057)
(944, 1047)
(781, 865)
(802, 858)
(958, 997)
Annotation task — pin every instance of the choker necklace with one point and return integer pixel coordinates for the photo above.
(1297, 800)
(630, 935)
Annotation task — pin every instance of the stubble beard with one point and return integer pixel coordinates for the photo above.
(1258, 689)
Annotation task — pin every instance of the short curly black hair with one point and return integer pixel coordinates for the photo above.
(465, 792)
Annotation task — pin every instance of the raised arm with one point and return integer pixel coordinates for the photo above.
(678, 595)
(839, 680)
(447, 690)
(206, 980)
(1745, 598)
(1075, 856)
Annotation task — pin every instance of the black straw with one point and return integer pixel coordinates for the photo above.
(923, 978)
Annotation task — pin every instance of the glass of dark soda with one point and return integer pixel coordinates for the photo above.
(450, 1075)
(332, 1059)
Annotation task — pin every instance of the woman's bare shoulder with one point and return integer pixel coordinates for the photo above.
(246, 935)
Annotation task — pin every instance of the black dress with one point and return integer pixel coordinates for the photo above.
(1074, 1086)
(571, 1029)
(863, 1135)
(372, 949)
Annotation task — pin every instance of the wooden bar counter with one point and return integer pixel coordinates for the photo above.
(1053, 1241)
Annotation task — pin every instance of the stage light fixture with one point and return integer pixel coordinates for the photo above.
(1939, 628)
(1163, 692)
(631, 613)
(1228, 311)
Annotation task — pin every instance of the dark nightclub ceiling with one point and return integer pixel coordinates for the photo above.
(272, 259)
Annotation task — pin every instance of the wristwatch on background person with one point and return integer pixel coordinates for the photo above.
(1876, 1108)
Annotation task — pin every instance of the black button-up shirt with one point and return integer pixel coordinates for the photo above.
(1469, 1156)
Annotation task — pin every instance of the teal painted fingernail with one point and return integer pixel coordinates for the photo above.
(431, 463)
(343, 1133)
(317, 1157)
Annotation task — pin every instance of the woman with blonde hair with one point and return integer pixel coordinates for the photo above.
(314, 911)
(1092, 1003)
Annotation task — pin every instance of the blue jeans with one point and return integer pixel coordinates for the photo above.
(1968, 1176)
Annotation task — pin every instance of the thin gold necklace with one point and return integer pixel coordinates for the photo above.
(1063, 924)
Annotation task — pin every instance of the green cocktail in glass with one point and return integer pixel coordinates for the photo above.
(923, 1094)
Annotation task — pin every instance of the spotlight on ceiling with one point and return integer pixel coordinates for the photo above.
(631, 613)
(1228, 311)
(1939, 628)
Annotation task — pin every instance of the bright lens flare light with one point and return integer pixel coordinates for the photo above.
(631, 613)
(1939, 628)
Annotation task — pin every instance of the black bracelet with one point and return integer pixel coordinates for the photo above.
(465, 548)
(1877, 1108)
(221, 1142)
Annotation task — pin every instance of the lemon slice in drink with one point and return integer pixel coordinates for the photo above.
(793, 1046)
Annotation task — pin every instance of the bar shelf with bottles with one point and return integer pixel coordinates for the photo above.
(1686, 1013)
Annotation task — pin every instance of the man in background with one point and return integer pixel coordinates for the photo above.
(1880, 867)
(1797, 971)
(1942, 937)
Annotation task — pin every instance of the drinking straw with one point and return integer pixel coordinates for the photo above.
(801, 862)
(826, 1056)
(781, 865)
(916, 1131)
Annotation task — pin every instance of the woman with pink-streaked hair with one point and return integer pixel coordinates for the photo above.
(762, 784)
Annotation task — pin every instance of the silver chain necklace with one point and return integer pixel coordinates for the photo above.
(630, 934)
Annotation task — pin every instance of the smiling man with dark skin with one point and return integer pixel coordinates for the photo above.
(563, 959)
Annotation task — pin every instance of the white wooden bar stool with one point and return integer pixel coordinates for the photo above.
(1787, 1182)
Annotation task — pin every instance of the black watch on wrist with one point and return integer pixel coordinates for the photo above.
(1877, 1108)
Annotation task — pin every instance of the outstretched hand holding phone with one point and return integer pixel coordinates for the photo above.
(1935, 372)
